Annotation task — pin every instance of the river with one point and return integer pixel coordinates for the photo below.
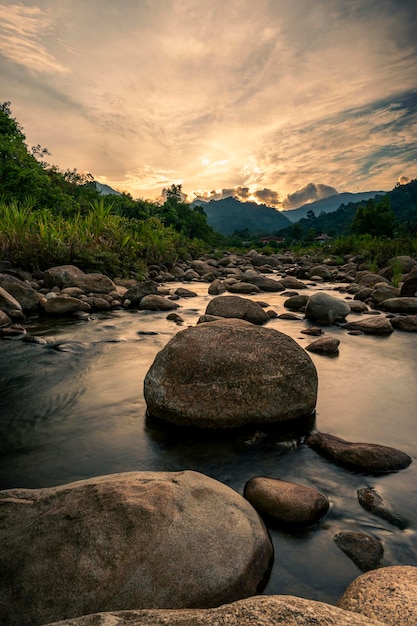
(74, 408)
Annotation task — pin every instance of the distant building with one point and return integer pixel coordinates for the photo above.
(266, 240)
(323, 237)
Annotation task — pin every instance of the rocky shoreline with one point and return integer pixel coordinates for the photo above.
(66, 291)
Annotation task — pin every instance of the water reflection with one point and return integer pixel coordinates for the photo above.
(74, 408)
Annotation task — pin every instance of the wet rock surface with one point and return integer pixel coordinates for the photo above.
(362, 457)
(229, 373)
(365, 551)
(140, 539)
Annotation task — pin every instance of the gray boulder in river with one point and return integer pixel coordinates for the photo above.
(325, 309)
(237, 307)
(127, 541)
(230, 373)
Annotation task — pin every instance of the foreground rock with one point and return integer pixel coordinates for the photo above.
(387, 594)
(365, 551)
(286, 502)
(325, 309)
(256, 611)
(134, 540)
(237, 307)
(229, 373)
(363, 457)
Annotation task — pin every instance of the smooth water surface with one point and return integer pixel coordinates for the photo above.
(74, 408)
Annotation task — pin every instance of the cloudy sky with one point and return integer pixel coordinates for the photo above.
(282, 101)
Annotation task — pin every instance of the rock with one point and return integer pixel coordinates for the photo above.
(264, 283)
(401, 305)
(409, 287)
(320, 271)
(258, 260)
(373, 325)
(357, 306)
(201, 267)
(191, 275)
(315, 331)
(405, 322)
(372, 502)
(286, 502)
(402, 263)
(182, 292)
(229, 373)
(324, 345)
(178, 273)
(365, 551)
(62, 276)
(384, 293)
(217, 287)
(241, 287)
(5, 320)
(62, 305)
(325, 309)
(237, 307)
(174, 317)
(140, 290)
(95, 283)
(74, 292)
(295, 303)
(363, 294)
(255, 611)
(387, 594)
(363, 457)
(289, 316)
(289, 282)
(97, 304)
(154, 302)
(27, 297)
(12, 331)
(8, 303)
(127, 541)
(370, 280)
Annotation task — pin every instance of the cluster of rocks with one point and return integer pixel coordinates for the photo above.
(140, 548)
(67, 290)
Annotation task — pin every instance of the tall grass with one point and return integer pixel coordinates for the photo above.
(96, 241)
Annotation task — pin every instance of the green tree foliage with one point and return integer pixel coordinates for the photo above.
(375, 218)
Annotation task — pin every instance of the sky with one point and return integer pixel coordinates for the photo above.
(278, 101)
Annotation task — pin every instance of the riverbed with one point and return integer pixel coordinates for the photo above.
(73, 408)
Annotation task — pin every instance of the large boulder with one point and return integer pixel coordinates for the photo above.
(144, 288)
(229, 373)
(407, 304)
(264, 283)
(64, 305)
(325, 309)
(155, 302)
(62, 276)
(255, 611)
(8, 303)
(371, 325)
(127, 541)
(95, 283)
(237, 307)
(387, 594)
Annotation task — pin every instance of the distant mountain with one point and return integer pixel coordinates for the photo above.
(229, 214)
(329, 204)
(106, 190)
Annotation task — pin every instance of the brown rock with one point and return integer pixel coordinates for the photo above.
(286, 502)
(127, 541)
(229, 373)
(62, 305)
(154, 302)
(372, 502)
(366, 457)
(387, 594)
(407, 323)
(324, 345)
(237, 307)
(255, 611)
(372, 325)
(365, 551)
(62, 276)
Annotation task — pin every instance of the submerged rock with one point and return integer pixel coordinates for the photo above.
(365, 551)
(286, 502)
(229, 373)
(363, 457)
(372, 502)
(127, 541)
(387, 594)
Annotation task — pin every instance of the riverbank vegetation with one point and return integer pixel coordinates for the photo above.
(51, 217)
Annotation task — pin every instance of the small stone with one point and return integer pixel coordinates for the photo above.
(365, 551)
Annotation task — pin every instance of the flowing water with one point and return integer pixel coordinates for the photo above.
(74, 408)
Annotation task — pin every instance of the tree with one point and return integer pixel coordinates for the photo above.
(376, 219)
